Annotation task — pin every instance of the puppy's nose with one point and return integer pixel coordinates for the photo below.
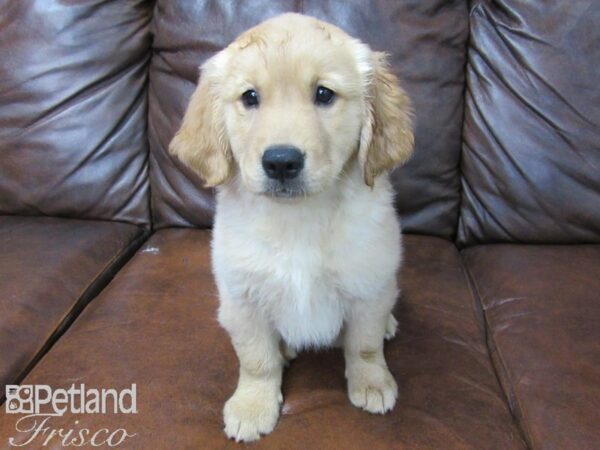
(282, 162)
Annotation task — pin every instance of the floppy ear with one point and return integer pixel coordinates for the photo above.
(201, 142)
(386, 138)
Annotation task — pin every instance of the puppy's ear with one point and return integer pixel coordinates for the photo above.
(386, 138)
(201, 142)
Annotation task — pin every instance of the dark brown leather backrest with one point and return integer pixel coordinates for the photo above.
(426, 40)
(531, 154)
(73, 109)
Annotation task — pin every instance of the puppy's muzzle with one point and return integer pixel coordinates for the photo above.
(282, 163)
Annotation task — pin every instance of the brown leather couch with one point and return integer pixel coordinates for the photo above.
(104, 239)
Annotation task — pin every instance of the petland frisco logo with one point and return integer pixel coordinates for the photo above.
(41, 404)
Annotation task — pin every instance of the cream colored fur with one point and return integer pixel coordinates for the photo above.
(319, 268)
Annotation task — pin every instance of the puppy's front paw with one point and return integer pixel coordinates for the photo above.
(250, 413)
(372, 388)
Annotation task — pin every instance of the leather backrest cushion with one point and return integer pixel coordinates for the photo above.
(73, 109)
(426, 40)
(531, 152)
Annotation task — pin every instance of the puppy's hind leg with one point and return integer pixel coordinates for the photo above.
(288, 353)
(391, 327)
(371, 386)
(253, 409)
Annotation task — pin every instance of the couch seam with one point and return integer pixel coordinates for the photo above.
(456, 236)
(517, 416)
(89, 293)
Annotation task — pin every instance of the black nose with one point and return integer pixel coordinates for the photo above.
(282, 162)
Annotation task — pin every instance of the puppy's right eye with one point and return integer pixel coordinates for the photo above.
(250, 98)
(324, 96)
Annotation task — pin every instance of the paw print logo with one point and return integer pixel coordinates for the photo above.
(19, 399)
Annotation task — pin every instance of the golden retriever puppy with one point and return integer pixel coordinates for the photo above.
(297, 125)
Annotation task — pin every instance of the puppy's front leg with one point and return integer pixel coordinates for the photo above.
(371, 386)
(253, 409)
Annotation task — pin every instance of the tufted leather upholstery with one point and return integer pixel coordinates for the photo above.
(60, 63)
(428, 55)
(531, 151)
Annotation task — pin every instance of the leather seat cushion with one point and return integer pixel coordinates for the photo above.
(155, 325)
(542, 310)
(49, 269)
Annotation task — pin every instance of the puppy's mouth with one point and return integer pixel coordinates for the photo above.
(285, 189)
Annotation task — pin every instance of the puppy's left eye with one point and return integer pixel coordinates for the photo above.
(250, 98)
(324, 96)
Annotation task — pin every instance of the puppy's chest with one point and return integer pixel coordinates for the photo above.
(302, 295)
(297, 265)
(297, 279)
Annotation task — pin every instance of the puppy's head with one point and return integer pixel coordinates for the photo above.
(288, 105)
